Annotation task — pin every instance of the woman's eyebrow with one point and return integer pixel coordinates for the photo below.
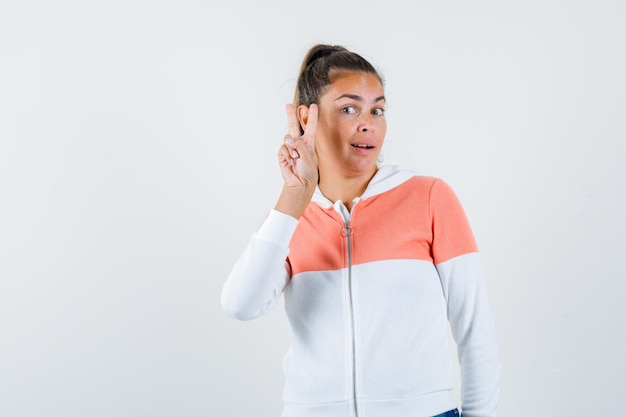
(358, 98)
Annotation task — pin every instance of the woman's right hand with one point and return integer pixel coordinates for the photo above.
(298, 163)
(297, 157)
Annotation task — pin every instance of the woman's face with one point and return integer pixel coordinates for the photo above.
(351, 125)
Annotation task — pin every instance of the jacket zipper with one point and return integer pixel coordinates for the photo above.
(347, 233)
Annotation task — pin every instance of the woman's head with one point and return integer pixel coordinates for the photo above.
(351, 124)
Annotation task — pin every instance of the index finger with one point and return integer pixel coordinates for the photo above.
(311, 125)
(292, 121)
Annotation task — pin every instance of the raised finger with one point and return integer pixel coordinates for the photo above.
(292, 121)
(311, 125)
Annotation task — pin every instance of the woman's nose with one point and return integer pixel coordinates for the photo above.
(366, 124)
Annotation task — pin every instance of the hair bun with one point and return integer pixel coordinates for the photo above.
(320, 53)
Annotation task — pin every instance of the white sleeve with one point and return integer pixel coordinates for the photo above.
(463, 280)
(261, 273)
(473, 329)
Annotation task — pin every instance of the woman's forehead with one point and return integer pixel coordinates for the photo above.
(353, 83)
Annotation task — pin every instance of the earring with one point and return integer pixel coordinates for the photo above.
(380, 158)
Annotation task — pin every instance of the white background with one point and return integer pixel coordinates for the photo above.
(137, 156)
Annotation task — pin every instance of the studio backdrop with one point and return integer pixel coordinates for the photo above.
(138, 144)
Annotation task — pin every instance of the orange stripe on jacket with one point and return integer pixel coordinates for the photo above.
(452, 232)
(420, 219)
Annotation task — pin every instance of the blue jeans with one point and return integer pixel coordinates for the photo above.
(451, 413)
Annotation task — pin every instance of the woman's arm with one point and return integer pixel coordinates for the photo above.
(261, 273)
(463, 281)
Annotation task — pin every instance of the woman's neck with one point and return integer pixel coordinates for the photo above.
(345, 189)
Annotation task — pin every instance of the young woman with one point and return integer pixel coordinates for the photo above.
(375, 264)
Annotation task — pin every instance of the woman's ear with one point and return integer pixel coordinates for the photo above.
(303, 116)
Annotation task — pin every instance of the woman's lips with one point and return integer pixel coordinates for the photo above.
(363, 148)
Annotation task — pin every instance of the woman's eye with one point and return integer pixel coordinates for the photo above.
(349, 110)
(378, 112)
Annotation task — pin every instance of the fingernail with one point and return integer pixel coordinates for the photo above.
(294, 154)
(289, 141)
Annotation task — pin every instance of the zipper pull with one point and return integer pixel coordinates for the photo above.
(347, 230)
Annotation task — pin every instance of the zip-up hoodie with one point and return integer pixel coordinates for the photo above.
(369, 295)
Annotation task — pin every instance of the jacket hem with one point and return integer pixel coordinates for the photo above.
(426, 405)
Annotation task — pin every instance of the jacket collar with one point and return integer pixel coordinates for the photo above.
(386, 178)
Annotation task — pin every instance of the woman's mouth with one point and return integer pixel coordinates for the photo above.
(363, 149)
